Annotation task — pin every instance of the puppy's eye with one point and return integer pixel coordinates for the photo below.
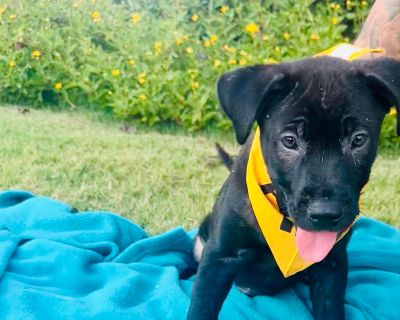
(358, 140)
(289, 142)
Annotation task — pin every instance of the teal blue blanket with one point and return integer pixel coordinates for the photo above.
(56, 264)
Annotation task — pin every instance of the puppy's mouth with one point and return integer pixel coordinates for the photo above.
(314, 241)
(314, 246)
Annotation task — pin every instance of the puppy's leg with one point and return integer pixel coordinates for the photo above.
(328, 282)
(213, 281)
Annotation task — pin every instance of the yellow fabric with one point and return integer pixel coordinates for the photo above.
(347, 51)
(266, 210)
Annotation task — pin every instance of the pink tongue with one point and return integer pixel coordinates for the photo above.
(314, 246)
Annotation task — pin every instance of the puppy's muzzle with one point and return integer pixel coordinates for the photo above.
(323, 214)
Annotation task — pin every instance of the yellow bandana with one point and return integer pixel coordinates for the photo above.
(347, 51)
(278, 230)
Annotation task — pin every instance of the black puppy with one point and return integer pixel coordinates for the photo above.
(319, 122)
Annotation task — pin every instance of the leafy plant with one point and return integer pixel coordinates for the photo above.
(154, 61)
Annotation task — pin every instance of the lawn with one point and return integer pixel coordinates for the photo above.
(157, 179)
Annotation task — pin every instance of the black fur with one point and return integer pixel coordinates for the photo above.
(332, 109)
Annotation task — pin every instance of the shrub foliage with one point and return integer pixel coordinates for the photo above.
(155, 61)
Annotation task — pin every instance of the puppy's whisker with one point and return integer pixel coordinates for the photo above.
(354, 158)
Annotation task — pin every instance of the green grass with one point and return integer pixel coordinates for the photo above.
(159, 180)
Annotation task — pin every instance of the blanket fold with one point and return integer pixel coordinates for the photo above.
(56, 264)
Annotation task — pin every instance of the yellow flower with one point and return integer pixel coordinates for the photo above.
(393, 111)
(206, 43)
(135, 17)
(157, 47)
(12, 17)
(2, 10)
(335, 6)
(189, 50)
(193, 73)
(277, 49)
(224, 9)
(195, 17)
(229, 49)
(217, 63)
(314, 36)
(349, 4)
(232, 61)
(334, 21)
(96, 16)
(364, 3)
(180, 40)
(116, 73)
(252, 28)
(142, 97)
(270, 61)
(132, 62)
(213, 38)
(286, 36)
(243, 53)
(36, 54)
(195, 85)
(141, 78)
(12, 64)
(242, 62)
(58, 86)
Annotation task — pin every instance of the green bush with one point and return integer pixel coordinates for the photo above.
(155, 61)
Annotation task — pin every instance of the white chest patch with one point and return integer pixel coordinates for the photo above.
(198, 249)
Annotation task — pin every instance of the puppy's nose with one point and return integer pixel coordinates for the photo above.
(324, 213)
(326, 218)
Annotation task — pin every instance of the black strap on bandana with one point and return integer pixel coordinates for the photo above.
(286, 224)
(267, 188)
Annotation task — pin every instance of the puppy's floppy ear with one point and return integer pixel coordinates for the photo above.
(383, 76)
(242, 92)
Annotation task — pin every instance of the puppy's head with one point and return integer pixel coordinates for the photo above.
(320, 120)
